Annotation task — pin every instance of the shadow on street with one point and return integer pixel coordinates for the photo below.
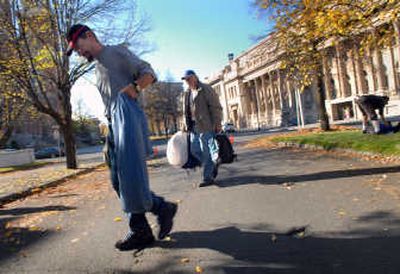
(358, 251)
(14, 239)
(250, 159)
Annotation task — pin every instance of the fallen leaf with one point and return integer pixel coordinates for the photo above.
(178, 201)
(298, 232)
(185, 260)
(198, 269)
(34, 228)
(8, 234)
(58, 228)
(301, 235)
(36, 190)
(75, 240)
(341, 212)
(168, 239)
(117, 219)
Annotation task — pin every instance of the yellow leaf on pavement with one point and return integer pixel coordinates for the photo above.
(34, 228)
(117, 219)
(168, 239)
(184, 260)
(198, 269)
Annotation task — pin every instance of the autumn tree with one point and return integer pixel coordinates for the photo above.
(33, 33)
(12, 105)
(162, 105)
(305, 28)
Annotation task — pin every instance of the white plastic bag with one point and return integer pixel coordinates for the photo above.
(177, 149)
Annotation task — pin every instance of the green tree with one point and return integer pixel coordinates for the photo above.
(305, 28)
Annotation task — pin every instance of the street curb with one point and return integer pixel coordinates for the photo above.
(338, 150)
(37, 189)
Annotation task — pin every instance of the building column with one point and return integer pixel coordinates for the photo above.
(244, 103)
(343, 85)
(257, 91)
(371, 69)
(394, 74)
(272, 90)
(396, 24)
(285, 116)
(327, 76)
(280, 87)
(264, 93)
(359, 72)
(381, 84)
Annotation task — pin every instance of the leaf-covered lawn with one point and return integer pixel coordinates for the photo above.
(388, 144)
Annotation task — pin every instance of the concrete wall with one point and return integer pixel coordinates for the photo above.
(16, 157)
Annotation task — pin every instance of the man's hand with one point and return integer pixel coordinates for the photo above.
(145, 80)
(131, 91)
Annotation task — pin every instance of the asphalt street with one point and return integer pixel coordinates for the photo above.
(272, 211)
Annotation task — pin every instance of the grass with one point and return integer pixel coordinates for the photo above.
(22, 167)
(350, 139)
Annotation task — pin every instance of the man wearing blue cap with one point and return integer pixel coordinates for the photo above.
(120, 75)
(202, 116)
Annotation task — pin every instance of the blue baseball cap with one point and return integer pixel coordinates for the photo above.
(188, 73)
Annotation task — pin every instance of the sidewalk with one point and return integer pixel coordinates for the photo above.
(19, 184)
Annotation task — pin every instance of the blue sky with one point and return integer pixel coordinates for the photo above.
(196, 34)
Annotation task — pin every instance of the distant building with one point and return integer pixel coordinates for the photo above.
(255, 92)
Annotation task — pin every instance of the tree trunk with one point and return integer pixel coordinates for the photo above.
(323, 115)
(69, 142)
(175, 121)
(158, 126)
(166, 125)
(6, 136)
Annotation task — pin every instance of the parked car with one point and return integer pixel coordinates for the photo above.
(48, 152)
(228, 127)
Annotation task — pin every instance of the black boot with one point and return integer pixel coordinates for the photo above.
(140, 235)
(165, 218)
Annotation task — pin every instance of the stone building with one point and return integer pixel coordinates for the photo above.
(255, 92)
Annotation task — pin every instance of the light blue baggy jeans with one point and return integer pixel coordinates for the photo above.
(128, 146)
(204, 147)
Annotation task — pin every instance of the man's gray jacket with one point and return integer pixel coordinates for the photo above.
(207, 108)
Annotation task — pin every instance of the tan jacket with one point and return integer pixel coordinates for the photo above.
(207, 109)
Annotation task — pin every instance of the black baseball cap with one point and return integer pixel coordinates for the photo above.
(72, 36)
(188, 73)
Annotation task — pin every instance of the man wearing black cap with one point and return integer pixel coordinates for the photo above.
(203, 116)
(120, 75)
